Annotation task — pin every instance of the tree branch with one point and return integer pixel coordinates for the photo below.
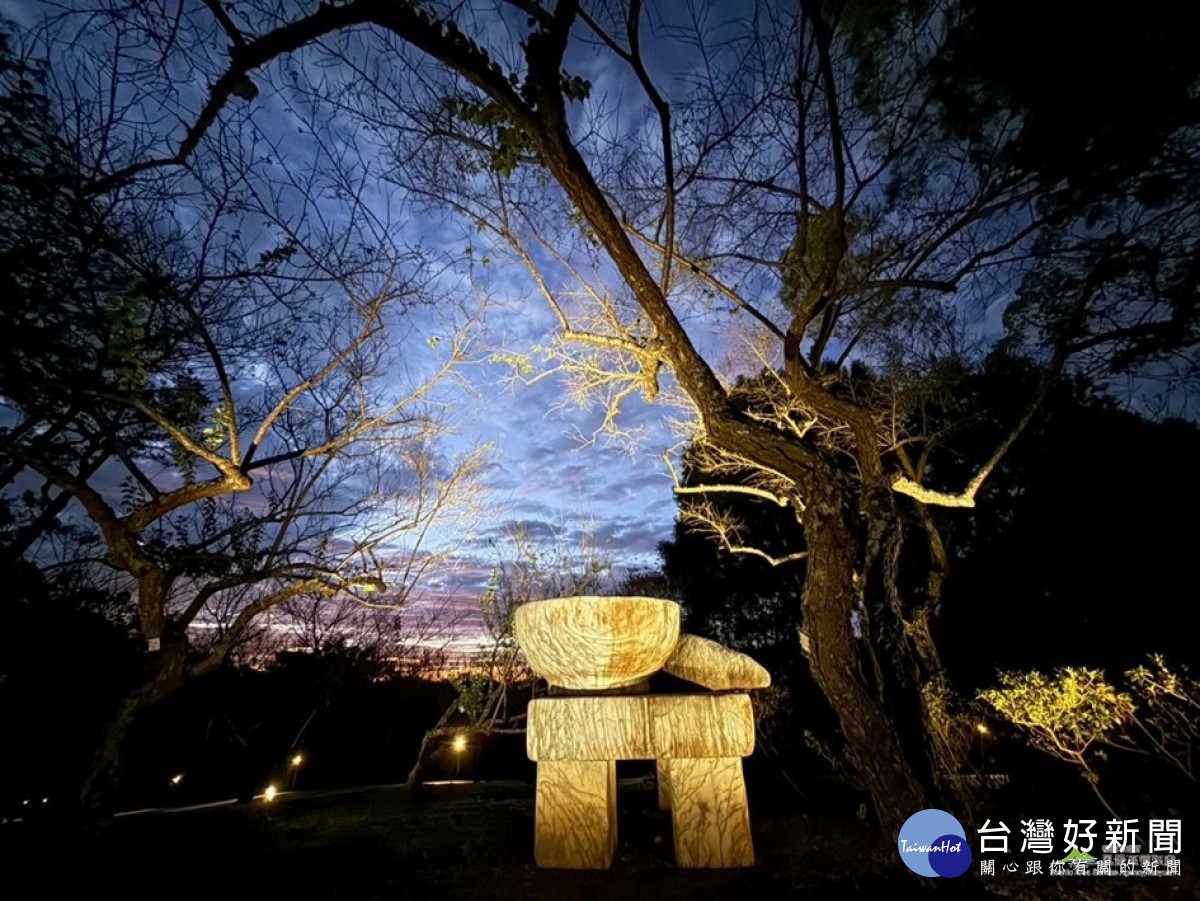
(440, 39)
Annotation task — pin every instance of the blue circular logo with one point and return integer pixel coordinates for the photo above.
(933, 843)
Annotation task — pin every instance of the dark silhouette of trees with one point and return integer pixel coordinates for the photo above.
(66, 659)
(1069, 572)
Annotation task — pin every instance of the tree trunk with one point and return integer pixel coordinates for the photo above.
(413, 783)
(165, 674)
(860, 656)
(99, 793)
(949, 731)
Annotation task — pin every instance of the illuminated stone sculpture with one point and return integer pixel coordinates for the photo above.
(608, 647)
(592, 643)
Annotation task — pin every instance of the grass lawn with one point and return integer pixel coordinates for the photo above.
(470, 841)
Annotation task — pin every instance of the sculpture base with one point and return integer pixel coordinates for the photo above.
(696, 741)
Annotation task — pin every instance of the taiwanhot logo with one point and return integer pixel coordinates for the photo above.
(933, 843)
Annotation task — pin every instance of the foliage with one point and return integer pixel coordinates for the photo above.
(475, 693)
(1169, 715)
(1064, 714)
(740, 600)
(88, 309)
(1069, 714)
(1081, 122)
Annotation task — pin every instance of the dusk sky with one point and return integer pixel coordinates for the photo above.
(549, 474)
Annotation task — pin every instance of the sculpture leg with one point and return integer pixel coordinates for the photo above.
(709, 817)
(576, 814)
(664, 785)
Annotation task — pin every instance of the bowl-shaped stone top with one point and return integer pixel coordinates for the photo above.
(594, 643)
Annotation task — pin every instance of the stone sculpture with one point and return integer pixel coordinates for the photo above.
(596, 653)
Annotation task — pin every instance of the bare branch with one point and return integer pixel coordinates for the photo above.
(748, 490)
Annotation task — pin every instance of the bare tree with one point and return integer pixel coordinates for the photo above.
(414, 641)
(567, 563)
(421, 641)
(751, 178)
(243, 420)
(291, 500)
